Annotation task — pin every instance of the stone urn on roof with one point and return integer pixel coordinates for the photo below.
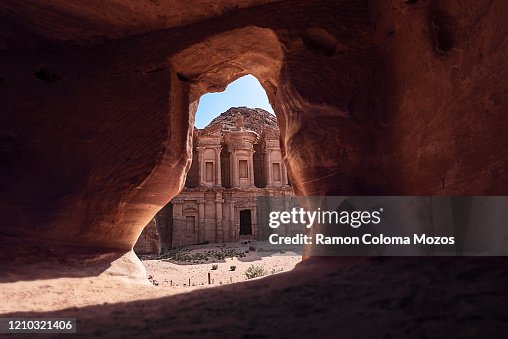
(239, 122)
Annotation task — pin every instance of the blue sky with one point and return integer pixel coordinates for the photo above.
(245, 91)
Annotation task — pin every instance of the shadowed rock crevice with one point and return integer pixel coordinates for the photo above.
(441, 28)
(46, 73)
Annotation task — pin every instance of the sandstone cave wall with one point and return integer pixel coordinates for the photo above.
(448, 60)
(79, 145)
(417, 108)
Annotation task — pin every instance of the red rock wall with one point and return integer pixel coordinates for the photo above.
(78, 151)
(448, 62)
(149, 241)
(419, 111)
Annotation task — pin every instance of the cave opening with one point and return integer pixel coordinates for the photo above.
(236, 157)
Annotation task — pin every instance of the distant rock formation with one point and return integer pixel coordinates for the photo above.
(254, 119)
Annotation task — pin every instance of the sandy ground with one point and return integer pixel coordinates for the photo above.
(166, 272)
(38, 278)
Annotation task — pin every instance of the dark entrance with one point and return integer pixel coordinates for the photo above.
(245, 222)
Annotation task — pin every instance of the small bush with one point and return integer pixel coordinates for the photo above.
(185, 255)
(252, 248)
(215, 266)
(232, 268)
(255, 271)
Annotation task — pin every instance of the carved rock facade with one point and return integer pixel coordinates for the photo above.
(236, 158)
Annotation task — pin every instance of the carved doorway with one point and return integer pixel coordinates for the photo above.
(245, 222)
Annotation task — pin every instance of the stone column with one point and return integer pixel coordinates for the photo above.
(218, 218)
(178, 223)
(269, 180)
(232, 228)
(254, 221)
(251, 168)
(218, 181)
(201, 171)
(225, 217)
(201, 221)
(234, 169)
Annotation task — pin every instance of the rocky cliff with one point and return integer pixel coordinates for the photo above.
(253, 119)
